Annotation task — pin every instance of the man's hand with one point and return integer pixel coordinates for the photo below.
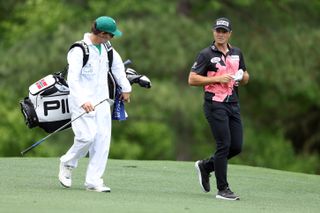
(224, 78)
(88, 107)
(125, 96)
(245, 78)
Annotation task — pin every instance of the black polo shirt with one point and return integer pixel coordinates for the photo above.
(212, 62)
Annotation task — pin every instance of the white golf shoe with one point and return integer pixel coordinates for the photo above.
(65, 173)
(101, 188)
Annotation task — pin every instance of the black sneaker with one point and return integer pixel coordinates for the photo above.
(227, 194)
(203, 176)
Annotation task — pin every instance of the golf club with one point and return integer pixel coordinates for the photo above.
(128, 61)
(62, 127)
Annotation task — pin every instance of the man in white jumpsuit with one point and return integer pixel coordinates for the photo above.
(88, 86)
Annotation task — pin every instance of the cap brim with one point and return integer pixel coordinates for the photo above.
(222, 27)
(117, 33)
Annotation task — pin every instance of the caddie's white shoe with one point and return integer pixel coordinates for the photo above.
(101, 188)
(65, 173)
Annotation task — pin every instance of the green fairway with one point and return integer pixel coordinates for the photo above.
(31, 185)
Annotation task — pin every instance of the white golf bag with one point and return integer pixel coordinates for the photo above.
(47, 104)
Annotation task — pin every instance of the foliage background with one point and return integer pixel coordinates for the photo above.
(280, 105)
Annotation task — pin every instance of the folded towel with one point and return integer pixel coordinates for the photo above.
(239, 75)
(119, 112)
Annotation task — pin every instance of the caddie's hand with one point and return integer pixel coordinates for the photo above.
(88, 107)
(125, 96)
(225, 78)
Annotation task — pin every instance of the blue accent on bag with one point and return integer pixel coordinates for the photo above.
(118, 113)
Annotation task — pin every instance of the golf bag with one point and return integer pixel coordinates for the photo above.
(47, 104)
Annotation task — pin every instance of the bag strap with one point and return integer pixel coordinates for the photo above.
(85, 50)
(109, 49)
(111, 80)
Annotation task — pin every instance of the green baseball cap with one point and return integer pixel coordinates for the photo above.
(107, 24)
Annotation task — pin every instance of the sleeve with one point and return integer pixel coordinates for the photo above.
(200, 65)
(75, 60)
(242, 64)
(118, 72)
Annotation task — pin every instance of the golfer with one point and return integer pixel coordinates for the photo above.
(220, 69)
(88, 86)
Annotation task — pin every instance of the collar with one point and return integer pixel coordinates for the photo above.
(86, 38)
(214, 48)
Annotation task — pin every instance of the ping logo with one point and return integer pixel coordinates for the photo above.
(55, 105)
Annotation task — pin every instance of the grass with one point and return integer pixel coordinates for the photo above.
(31, 185)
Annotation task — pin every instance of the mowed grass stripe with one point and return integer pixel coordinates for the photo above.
(31, 185)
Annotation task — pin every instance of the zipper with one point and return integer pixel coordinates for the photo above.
(50, 96)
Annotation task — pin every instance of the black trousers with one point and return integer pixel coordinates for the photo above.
(226, 126)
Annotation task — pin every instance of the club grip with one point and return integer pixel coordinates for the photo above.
(127, 62)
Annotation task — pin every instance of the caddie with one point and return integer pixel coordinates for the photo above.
(88, 85)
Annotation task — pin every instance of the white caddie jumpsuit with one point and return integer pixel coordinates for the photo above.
(93, 130)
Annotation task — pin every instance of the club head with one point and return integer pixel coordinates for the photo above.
(130, 71)
(134, 77)
(145, 82)
(110, 102)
